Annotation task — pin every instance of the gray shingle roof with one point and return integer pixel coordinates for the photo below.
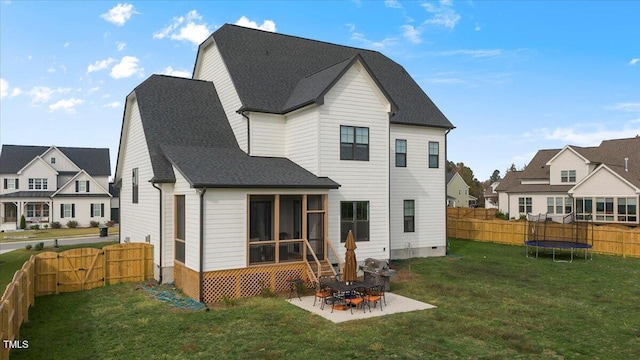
(186, 126)
(95, 161)
(269, 72)
(28, 194)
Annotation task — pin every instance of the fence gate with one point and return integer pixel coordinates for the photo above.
(80, 269)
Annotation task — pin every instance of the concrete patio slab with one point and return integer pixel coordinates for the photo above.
(395, 304)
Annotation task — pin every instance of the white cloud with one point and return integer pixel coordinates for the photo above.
(15, 92)
(120, 45)
(267, 25)
(67, 105)
(477, 28)
(359, 37)
(100, 65)
(443, 14)
(4, 88)
(179, 73)
(628, 106)
(66, 44)
(40, 94)
(586, 135)
(634, 61)
(119, 14)
(127, 67)
(186, 28)
(392, 4)
(93, 89)
(411, 33)
(51, 70)
(115, 104)
(473, 53)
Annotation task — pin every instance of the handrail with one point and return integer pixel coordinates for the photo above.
(335, 254)
(315, 258)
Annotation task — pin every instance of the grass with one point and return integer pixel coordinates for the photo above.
(12, 261)
(493, 303)
(43, 234)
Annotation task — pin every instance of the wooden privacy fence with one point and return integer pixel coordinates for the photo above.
(612, 240)
(71, 270)
(471, 213)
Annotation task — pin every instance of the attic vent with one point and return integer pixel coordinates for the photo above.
(266, 52)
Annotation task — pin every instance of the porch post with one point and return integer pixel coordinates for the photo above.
(304, 225)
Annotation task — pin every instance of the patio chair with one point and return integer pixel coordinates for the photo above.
(322, 292)
(375, 295)
(355, 299)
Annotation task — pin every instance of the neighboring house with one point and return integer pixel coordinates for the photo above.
(275, 150)
(491, 196)
(53, 184)
(603, 181)
(458, 191)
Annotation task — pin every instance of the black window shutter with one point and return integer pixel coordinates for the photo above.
(102, 210)
(91, 210)
(17, 187)
(62, 210)
(87, 185)
(5, 183)
(73, 210)
(76, 185)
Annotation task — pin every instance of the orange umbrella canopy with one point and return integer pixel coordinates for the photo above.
(350, 263)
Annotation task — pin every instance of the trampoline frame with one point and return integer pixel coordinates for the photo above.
(535, 236)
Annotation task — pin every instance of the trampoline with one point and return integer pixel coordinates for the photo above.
(560, 233)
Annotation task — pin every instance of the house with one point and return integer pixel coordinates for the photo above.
(491, 196)
(257, 168)
(458, 191)
(603, 181)
(50, 184)
(115, 203)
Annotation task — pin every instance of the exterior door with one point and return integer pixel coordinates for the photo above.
(10, 212)
(315, 234)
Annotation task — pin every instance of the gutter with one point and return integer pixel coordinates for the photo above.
(160, 233)
(446, 213)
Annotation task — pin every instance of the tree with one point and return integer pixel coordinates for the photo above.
(23, 222)
(475, 188)
(495, 176)
(512, 168)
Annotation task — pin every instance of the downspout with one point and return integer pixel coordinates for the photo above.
(201, 191)
(446, 213)
(160, 232)
(248, 132)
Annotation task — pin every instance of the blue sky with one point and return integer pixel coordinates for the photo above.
(512, 76)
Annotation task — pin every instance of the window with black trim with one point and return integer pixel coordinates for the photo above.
(82, 186)
(434, 154)
(97, 210)
(180, 228)
(409, 216)
(401, 153)
(134, 185)
(354, 143)
(67, 210)
(354, 216)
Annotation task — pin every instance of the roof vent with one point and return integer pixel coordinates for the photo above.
(626, 164)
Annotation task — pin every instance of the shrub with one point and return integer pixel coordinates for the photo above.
(46, 226)
(72, 224)
(35, 227)
(39, 246)
(56, 225)
(28, 247)
(94, 223)
(500, 215)
(23, 222)
(110, 223)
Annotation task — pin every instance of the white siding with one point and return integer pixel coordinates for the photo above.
(604, 183)
(424, 185)
(226, 229)
(353, 102)
(62, 163)
(38, 170)
(192, 224)
(302, 143)
(94, 186)
(137, 220)
(567, 160)
(212, 68)
(267, 135)
(82, 207)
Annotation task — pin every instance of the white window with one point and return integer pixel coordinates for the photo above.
(11, 184)
(627, 209)
(568, 176)
(97, 210)
(524, 205)
(67, 210)
(53, 160)
(38, 184)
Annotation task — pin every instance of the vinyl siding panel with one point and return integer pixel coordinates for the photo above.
(82, 210)
(267, 135)
(212, 68)
(62, 162)
(141, 219)
(192, 224)
(353, 102)
(604, 183)
(302, 143)
(38, 170)
(226, 229)
(418, 182)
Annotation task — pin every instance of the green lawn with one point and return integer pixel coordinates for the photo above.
(493, 303)
(52, 233)
(12, 261)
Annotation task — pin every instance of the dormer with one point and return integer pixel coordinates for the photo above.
(58, 160)
(568, 167)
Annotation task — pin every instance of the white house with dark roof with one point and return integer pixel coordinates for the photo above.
(53, 184)
(602, 181)
(262, 163)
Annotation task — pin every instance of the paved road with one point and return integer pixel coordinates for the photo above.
(10, 246)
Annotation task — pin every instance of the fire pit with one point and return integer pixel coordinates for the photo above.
(378, 272)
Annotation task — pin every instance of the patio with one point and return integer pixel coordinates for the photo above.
(395, 304)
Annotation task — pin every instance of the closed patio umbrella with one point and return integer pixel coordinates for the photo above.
(350, 263)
